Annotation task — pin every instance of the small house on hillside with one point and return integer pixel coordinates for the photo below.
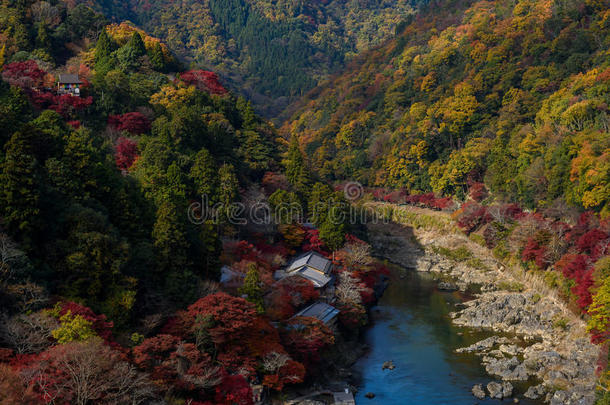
(311, 266)
(344, 398)
(322, 312)
(68, 84)
(231, 278)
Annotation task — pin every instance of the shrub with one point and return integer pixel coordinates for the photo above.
(126, 153)
(133, 122)
(203, 80)
(512, 286)
(478, 192)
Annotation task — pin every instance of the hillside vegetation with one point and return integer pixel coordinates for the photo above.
(512, 94)
(110, 252)
(274, 51)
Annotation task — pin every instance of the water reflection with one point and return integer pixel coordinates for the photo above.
(411, 327)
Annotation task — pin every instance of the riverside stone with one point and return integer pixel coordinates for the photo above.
(535, 392)
(500, 391)
(478, 391)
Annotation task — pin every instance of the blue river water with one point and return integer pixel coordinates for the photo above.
(411, 327)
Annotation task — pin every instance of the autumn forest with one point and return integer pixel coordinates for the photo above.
(121, 122)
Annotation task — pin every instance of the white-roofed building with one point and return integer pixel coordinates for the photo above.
(321, 311)
(313, 267)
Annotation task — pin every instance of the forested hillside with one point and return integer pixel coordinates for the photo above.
(111, 157)
(64, 187)
(273, 51)
(512, 94)
(497, 111)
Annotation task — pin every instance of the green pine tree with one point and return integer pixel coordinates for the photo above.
(246, 112)
(204, 175)
(156, 57)
(296, 172)
(19, 188)
(228, 189)
(137, 45)
(104, 47)
(252, 288)
(332, 231)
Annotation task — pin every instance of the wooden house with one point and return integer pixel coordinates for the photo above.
(313, 267)
(321, 311)
(68, 84)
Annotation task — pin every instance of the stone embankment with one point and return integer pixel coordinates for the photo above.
(536, 338)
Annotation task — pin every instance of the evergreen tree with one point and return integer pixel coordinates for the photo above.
(175, 189)
(252, 288)
(104, 47)
(169, 238)
(19, 188)
(296, 171)
(228, 190)
(204, 175)
(156, 57)
(332, 231)
(43, 40)
(137, 45)
(320, 202)
(256, 151)
(246, 112)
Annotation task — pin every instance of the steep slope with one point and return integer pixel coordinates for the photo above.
(94, 189)
(274, 51)
(514, 94)
(108, 268)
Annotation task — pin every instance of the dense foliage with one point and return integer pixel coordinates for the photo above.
(110, 251)
(272, 50)
(512, 94)
(94, 189)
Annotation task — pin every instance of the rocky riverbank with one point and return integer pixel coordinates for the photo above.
(536, 340)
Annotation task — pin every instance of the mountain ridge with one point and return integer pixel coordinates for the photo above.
(433, 109)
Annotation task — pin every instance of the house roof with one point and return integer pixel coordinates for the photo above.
(311, 259)
(320, 311)
(318, 278)
(66, 78)
(227, 274)
(343, 398)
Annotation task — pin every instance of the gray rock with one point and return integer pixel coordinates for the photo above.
(507, 389)
(506, 368)
(500, 391)
(495, 390)
(388, 365)
(478, 391)
(559, 398)
(446, 286)
(535, 392)
(483, 345)
(512, 350)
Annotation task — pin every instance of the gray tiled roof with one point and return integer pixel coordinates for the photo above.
(317, 278)
(66, 78)
(343, 398)
(321, 311)
(313, 260)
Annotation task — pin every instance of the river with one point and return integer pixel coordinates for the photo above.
(411, 327)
